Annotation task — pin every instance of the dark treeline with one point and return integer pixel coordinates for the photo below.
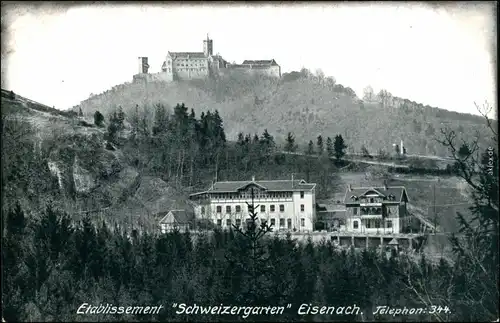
(189, 151)
(51, 267)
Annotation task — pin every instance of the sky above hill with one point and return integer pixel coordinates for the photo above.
(440, 56)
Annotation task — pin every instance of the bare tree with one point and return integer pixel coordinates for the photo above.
(476, 249)
(368, 94)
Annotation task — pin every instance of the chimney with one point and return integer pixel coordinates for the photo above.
(292, 180)
(253, 178)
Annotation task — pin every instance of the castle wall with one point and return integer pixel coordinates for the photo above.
(154, 77)
(188, 73)
(273, 71)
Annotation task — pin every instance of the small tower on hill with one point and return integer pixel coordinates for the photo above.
(208, 47)
(143, 66)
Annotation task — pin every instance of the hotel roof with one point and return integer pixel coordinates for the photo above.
(271, 186)
(392, 194)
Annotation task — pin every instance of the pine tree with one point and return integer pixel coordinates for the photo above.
(120, 118)
(310, 148)
(329, 147)
(319, 143)
(290, 145)
(160, 119)
(250, 258)
(98, 119)
(339, 147)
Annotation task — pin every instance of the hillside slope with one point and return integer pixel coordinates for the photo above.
(48, 156)
(304, 105)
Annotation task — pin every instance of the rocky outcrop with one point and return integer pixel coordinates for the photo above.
(84, 180)
(56, 171)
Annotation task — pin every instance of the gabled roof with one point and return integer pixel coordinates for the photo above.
(260, 62)
(180, 216)
(398, 192)
(271, 186)
(175, 55)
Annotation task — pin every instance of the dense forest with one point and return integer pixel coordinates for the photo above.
(52, 263)
(301, 102)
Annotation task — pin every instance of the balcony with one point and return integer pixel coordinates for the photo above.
(371, 212)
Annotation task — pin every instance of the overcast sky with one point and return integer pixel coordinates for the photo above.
(441, 56)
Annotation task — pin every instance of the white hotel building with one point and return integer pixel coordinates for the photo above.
(284, 204)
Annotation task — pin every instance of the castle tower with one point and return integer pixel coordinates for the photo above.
(143, 65)
(208, 47)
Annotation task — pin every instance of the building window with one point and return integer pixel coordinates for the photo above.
(289, 223)
(355, 224)
(272, 208)
(368, 224)
(262, 208)
(219, 222)
(202, 210)
(282, 208)
(302, 222)
(302, 208)
(371, 200)
(238, 222)
(219, 209)
(282, 223)
(273, 222)
(389, 224)
(228, 222)
(301, 194)
(238, 209)
(355, 211)
(228, 209)
(263, 221)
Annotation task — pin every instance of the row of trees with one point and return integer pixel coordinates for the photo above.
(334, 148)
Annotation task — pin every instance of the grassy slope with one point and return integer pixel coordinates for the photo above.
(304, 106)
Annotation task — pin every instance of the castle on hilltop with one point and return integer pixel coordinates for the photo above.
(200, 65)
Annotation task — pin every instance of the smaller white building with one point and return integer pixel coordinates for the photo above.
(174, 220)
(380, 210)
(284, 204)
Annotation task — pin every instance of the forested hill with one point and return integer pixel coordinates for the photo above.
(302, 103)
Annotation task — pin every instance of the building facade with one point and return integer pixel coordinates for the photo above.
(378, 210)
(283, 204)
(174, 220)
(200, 65)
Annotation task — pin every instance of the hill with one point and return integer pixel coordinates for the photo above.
(301, 103)
(52, 156)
